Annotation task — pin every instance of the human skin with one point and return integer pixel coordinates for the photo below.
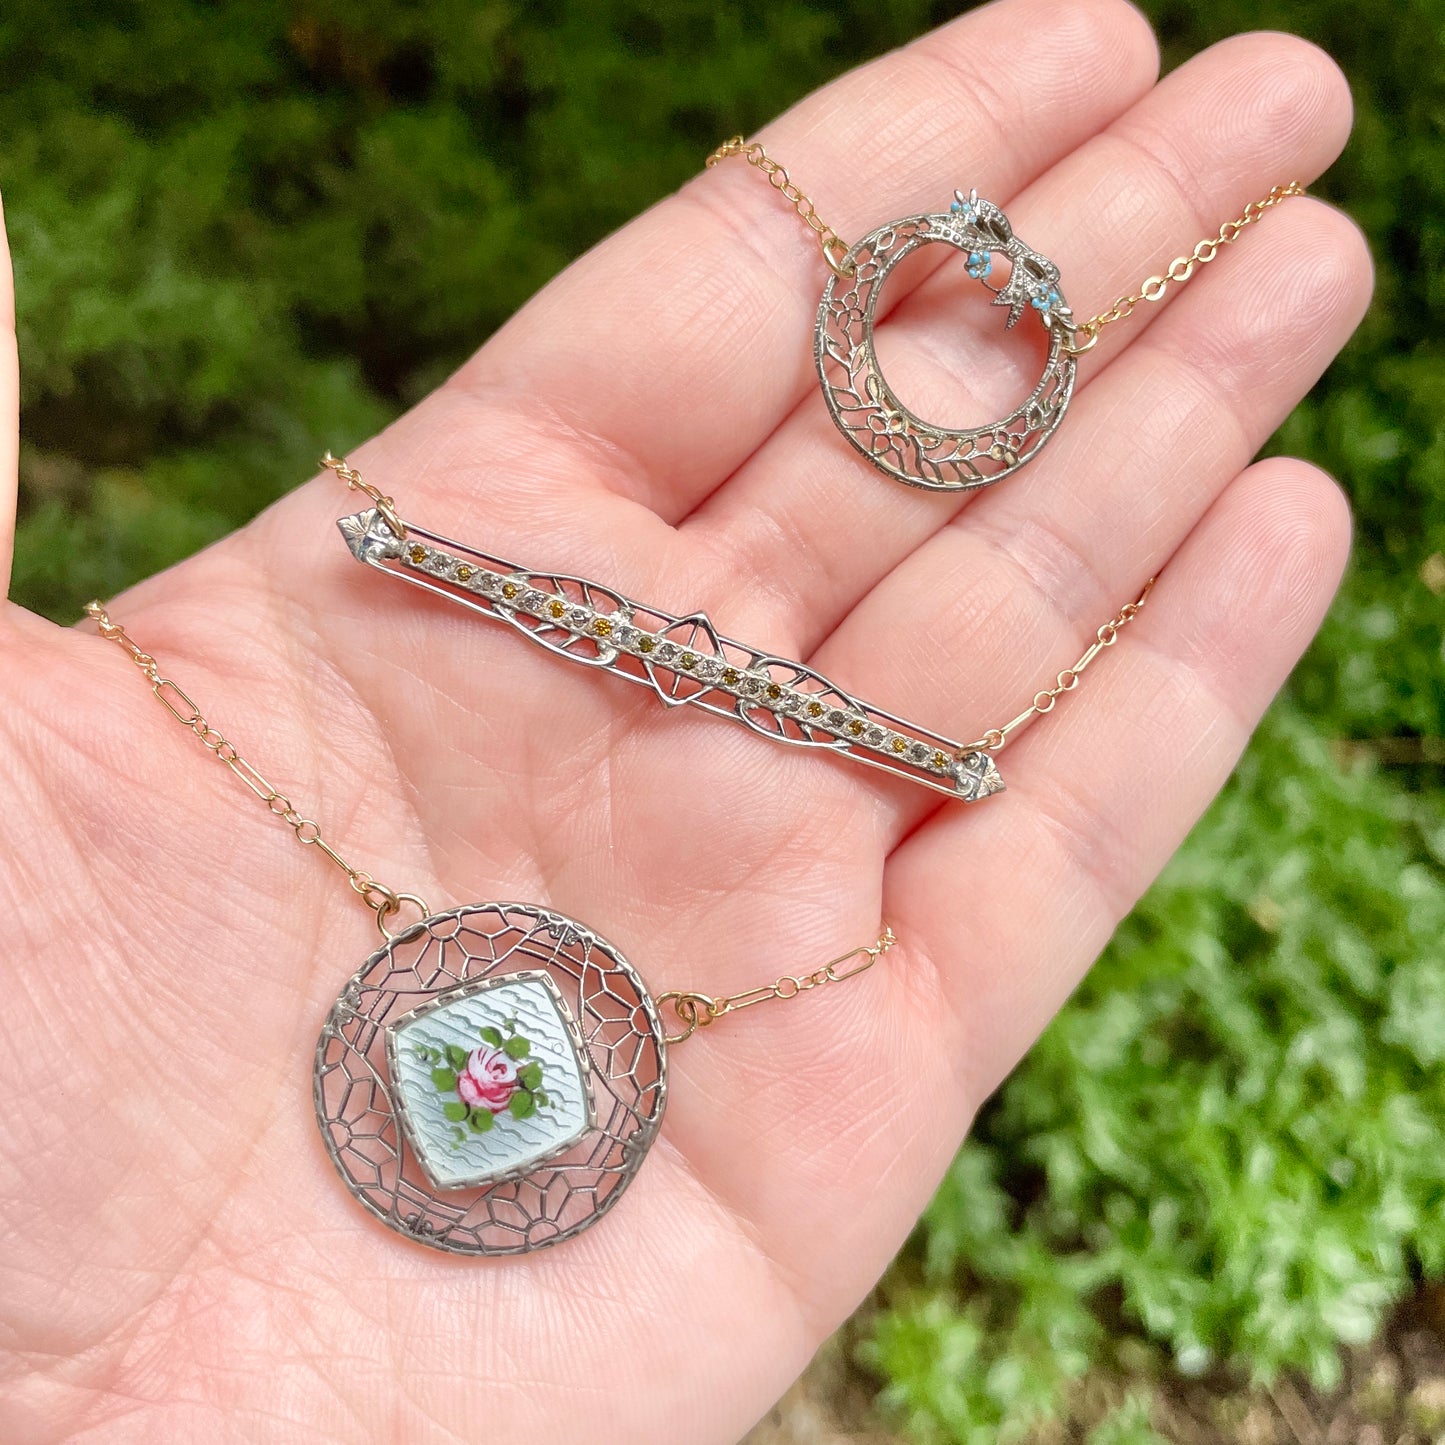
(178, 1259)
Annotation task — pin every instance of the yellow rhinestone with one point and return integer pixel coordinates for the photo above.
(940, 760)
(815, 709)
(730, 676)
(899, 746)
(688, 660)
(856, 728)
(464, 573)
(646, 644)
(417, 554)
(556, 608)
(509, 590)
(774, 691)
(602, 627)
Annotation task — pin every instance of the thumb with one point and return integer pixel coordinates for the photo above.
(9, 411)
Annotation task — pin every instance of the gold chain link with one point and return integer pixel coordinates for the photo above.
(384, 902)
(697, 1010)
(834, 248)
(1179, 270)
(384, 504)
(1045, 700)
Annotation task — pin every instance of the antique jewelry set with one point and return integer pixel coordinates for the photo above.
(491, 1078)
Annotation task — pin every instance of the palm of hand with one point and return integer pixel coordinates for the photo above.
(177, 1248)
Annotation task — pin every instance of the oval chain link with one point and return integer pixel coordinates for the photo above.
(698, 1010)
(834, 248)
(1179, 270)
(384, 902)
(384, 504)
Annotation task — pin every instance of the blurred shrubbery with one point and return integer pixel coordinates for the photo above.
(244, 233)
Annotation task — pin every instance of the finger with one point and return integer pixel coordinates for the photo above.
(1014, 589)
(1100, 799)
(663, 357)
(9, 411)
(822, 526)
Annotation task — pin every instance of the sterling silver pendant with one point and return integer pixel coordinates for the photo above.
(866, 409)
(684, 660)
(490, 1080)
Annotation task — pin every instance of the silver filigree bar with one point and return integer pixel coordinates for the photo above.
(684, 660)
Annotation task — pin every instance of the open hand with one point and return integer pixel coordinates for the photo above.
(179, 1260)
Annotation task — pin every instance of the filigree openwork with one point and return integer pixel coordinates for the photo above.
(683, 660)
(620, 1032)
(868, 411)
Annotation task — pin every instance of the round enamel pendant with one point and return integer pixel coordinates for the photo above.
(490, 1080)
(864, 406)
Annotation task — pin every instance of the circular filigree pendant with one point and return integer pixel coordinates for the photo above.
(864, 406)
(489, 1081)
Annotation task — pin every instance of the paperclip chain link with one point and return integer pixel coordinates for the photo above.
(1046, 699)
(697, 1010)
(694, 1010)
(384, 902)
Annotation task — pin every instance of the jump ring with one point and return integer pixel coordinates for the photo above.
(396, 900)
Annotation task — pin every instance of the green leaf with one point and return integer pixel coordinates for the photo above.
(458, 1057)
(517, 1048)
(492, 1036)
(530, 1075)
(457, 1135)
(481, 1120)
(444, 1079)
(522, 1105)
(456, 1111)
(543, 1100)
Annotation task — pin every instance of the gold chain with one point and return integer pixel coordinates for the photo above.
(384, 504)
(697, 1010)
(1068, 679)
(1179, 270)
(992, 740)
(383, 901)
(834, 248)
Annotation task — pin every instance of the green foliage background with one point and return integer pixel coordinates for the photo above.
(245, 232)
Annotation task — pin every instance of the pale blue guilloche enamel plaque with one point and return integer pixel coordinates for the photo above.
(490, 1079)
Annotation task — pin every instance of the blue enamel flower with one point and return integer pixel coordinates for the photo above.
(979, 264)
(965, 207)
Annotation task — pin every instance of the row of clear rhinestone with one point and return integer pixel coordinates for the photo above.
(617, 631)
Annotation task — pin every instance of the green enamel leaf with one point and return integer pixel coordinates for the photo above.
(458, 1057)
(456, 1111)
(543, 1100)
(517, 1048)
(444, 1079)
(530, 1075)
(481, 1120)
(492, 1036)
(522, 1105)
(457, 1136)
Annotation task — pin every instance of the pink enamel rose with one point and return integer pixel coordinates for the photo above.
(488, 1081)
